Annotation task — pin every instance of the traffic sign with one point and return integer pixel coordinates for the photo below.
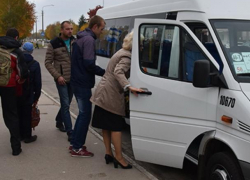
(42, 34)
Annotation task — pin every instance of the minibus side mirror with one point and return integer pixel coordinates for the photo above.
(201, 73)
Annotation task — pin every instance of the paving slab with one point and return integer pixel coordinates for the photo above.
(49, 159)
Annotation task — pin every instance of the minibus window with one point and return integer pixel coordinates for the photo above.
(159, 50)
(190, 53)
(112, 37)
(168, 51)
(202, 33)
(234, 37)
(224, 36)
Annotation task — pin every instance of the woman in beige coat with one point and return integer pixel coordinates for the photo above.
(110, 104)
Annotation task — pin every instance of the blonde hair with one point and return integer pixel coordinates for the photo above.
(127, 42)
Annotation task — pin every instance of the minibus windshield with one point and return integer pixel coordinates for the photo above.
(234, 36)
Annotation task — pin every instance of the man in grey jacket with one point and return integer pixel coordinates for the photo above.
(58, 63)
(83, 70)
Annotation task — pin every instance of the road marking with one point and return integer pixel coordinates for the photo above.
(131, 161)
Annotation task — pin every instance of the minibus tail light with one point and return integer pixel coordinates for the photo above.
(227, 119)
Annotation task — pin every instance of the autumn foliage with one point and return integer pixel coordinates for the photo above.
(19, 14)
(82, 21)
(53, 30)
(83, 27)
(75, 27)
(92, 12)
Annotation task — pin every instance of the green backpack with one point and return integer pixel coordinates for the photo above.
(5, 66)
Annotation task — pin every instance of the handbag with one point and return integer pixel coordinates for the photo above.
(35, 116)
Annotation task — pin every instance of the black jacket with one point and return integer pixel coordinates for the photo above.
(35, 80)
(10, 43)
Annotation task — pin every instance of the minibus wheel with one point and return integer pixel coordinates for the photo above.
(223, 166)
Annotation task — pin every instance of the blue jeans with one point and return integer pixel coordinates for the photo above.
(83, 119)
(63, 115)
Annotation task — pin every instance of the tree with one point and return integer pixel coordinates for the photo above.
(84, 26)
(49, 31)
(75, 27)
(82, 21)
(92, 12)
(19, 14)
(53, 30)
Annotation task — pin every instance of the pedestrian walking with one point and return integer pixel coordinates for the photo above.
(58, 63)
(12, 64)
(83, 74)
(28, 94)
(37, 46)
(110, 103)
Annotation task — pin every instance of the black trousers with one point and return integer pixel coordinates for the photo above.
(10, 116)
(24, 114)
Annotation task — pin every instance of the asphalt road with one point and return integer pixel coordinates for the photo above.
(161, 172)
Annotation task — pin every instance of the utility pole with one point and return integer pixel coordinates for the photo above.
(36, 30)
(42, 22)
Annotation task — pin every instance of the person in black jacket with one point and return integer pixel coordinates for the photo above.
(8, 92)
(29, 95)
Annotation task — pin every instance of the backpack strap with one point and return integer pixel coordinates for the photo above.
(2, 50)
(9, 50)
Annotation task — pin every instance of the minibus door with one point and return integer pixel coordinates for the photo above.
(166, 119)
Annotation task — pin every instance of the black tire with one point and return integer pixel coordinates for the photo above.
(223, 164)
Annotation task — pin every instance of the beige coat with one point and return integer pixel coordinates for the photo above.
(109, 93)
(57, 60)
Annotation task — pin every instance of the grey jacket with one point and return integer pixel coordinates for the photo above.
(109, 93)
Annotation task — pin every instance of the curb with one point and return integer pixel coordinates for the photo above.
(131, 161)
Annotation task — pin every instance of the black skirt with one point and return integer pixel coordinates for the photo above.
(106, 120)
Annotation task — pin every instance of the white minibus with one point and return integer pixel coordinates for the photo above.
(193, 57)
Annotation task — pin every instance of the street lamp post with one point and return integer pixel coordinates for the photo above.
(42, 20)
(36, 30)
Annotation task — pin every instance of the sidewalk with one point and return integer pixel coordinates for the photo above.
(49, 159)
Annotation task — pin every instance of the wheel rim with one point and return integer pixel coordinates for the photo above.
(220, 173)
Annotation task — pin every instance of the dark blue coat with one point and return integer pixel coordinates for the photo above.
(83, 67)
(35, 79)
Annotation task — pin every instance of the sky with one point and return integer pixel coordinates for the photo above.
(67, 9)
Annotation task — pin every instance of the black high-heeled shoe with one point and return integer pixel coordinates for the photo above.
(116, 163)
(108, 158)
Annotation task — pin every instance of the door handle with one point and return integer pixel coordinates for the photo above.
(146, 91)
